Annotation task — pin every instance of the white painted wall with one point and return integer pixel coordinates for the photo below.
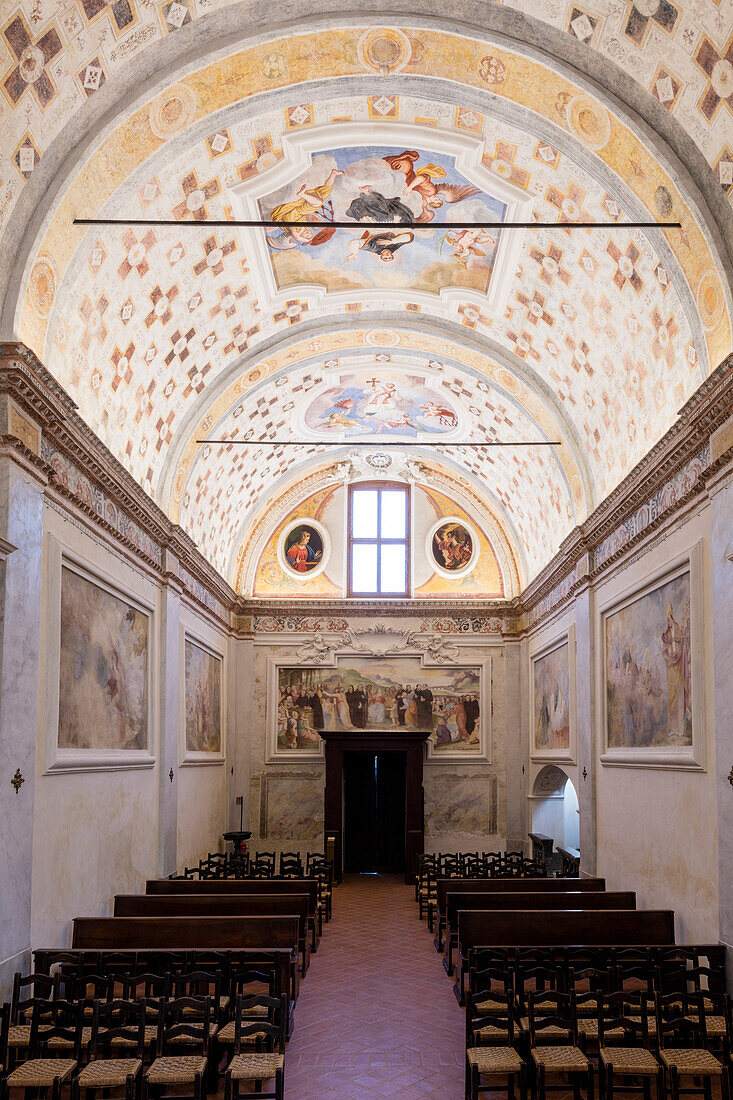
(658, 828)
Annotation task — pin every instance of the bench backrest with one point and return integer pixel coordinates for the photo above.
(462, 899)
(251, 886)
(516, 886)
(177, 932)
(517, 928)
(214, 905)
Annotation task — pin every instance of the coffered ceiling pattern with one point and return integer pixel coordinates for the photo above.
(169, 336)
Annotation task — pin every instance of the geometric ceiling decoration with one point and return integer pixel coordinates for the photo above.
(167, 335)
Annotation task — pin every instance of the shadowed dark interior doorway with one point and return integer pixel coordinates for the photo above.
(374, 811)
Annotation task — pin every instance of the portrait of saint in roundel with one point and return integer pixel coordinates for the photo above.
(452, 547)
(303, 549)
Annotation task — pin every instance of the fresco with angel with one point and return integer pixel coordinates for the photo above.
(365, 403)
(370, 185)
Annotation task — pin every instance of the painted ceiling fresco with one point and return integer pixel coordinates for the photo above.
(367, 185)
(166, 336)
(379, 404)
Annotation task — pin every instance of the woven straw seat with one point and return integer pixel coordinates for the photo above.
(490, 1005)
(226, 1034)
(714, 1025)
(692, 1060)
(175, 1071)
(635, 1060)
(589, 1028)
(651, 1023)
(255, 1067)
(108, 1072)
(551, 1032)
(151, 1034)
(494, 1059)
(191, 1040)
(490, 1032)
(19, 1035)
(59, 1043)
(563, 1059)
(40, 1073)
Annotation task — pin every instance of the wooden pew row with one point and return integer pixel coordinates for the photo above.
(558, 928)
(278, 960)
(212, 905)
(461, 899)
(508, 886)
(203, 933)
(251, 886)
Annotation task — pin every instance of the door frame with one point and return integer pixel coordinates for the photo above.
(412, 743)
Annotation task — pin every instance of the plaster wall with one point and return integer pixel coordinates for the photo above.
(95, 833)
(465, 803)
(657, 828)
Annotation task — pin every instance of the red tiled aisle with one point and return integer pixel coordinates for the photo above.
(376, 1014)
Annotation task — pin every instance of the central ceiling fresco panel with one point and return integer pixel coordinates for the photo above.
(382, 184)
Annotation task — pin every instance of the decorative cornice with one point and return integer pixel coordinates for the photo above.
(32, 387)
(708, 408)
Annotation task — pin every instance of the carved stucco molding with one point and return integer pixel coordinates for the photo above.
(377, 641)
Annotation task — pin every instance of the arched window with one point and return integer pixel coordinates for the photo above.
(379, 539)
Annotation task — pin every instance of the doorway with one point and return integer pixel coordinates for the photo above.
(374, 810)
(555, 810)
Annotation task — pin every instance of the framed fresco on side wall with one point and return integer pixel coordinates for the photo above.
(380, 693)
(553, 703)
(202, 704)
(652, 668)
(100, 671)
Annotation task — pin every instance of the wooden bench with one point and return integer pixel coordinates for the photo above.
(278, 960)
(250, 886)
(570, 861)
(204, 933)
(579, 899)
(506, 886)
(199, 904)
(562, 927)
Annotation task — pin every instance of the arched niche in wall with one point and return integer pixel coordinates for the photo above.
(554, 809)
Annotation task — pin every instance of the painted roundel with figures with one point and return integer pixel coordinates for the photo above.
(452, 547)
(303, 549)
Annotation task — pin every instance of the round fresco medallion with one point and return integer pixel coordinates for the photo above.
(492, 70)
(382, 338)
(589, 121)
(663, 201)
(303, 549)
(709, 301)
(384, 50)
(42, 287)
(452, 547)
(509, 381)
(172, 111)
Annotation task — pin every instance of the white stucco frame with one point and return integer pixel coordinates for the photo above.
(328, 660)
(685, 757)
(60, 556)
(186, 756)
(556, 756)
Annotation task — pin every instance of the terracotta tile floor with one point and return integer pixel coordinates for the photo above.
(376, 1015)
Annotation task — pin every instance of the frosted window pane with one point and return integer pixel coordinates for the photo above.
(394, 574)
(394, 514)
(364, 567)
(364, 504)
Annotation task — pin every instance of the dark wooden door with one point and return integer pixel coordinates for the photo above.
(391, 770)
(360, 812)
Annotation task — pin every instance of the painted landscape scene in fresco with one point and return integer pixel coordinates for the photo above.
(385, 405)
(648, 669)
(380, 694)
(552, 700)
(103, 677)
(203, 699)
(380, 184)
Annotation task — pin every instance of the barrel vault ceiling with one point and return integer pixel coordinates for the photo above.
(168, 336)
